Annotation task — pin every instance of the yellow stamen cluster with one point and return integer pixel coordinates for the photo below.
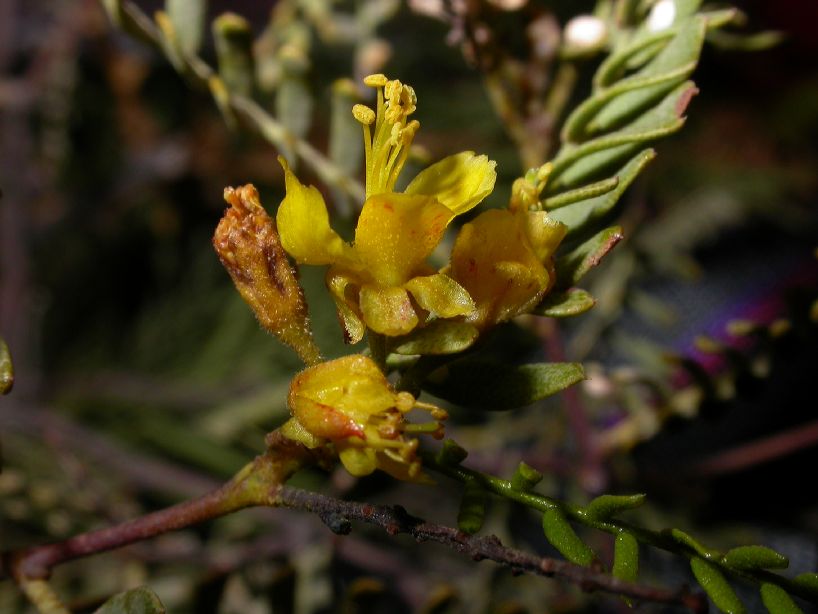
(387, 149)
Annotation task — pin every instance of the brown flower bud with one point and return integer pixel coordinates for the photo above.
(248, 246)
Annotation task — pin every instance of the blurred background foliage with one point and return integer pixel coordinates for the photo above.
(143, 378)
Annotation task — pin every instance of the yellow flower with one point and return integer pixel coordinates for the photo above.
(382, 280)
(350, 403)
(504, 257)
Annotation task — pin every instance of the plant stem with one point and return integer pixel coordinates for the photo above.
(255, 484)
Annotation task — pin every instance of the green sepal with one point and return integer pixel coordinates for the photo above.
(451, 454)
(498, 386)
(565, 304)
(579, 216)
(748, 558)
(472, 507)
(606, 507)
(716, 586)
(6, 368)
(777, 600)
(437, 338)
(626, 557)
(525, 477)
(559, 532)
(573, 266)
(140, 600)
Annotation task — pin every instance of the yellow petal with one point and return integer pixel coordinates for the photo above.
(459, 181)
(493, 260)
(396, 233)
(388, 311)
(358, 461)
(303, 224)
(544, 232)
(293, 429)
(344, 292)
(440, 295)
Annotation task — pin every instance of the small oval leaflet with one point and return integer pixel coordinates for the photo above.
(497, 386)
(561, 535)
(451, 454)
(626, 557)
(777, 601)
(608, 506)
(141, 600)
(808, 582)
(716, 586)
(472, 508)
(525, 477)
(755, 557)
(572, 302)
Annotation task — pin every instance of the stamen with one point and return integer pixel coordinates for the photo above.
(363, 114)
(404, 402)
(422, 428)
(376, 80)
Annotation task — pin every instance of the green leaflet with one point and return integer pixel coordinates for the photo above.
(565, 304)
(6, 368)
(755, 557)
(140, 600)
(293, 108)
(626, 557)
(680, 537)
(584, 193)
(582, 214)
(573, 266)
(561, 535)
(472, 508)
(610, 105)
(606, 507)
(716, 586)
(497, 386)
(439, 337)
(188, 19)
(777, 601)
(234, 50)
(808, 582)
(525, 477)
(451, 454)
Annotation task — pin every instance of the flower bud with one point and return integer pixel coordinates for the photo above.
(248, 246)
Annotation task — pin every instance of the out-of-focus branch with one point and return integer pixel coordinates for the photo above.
(338, 514)
(131, 18)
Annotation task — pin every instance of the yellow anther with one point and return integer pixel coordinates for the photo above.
(404, 402)
(400, 100)
(363, 114)
(376, 80)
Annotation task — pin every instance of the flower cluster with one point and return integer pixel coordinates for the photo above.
(349, 402)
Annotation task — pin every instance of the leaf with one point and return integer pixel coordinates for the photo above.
(188, 19)
(606, 507)
(6, 368)
(439, 337)
(573, 266)
(140, 600)
(626, 557)
(716, 586)
(472, 507)
(680, 537)
(496, 386)
(747, 558)
(614, 102)
(584, 193)
(561, 535)
(582, 214)
(451, 454)
(233, 37)
(565, 304)
(777, 600)
(293, 105)
(808, 582)
(525, 477)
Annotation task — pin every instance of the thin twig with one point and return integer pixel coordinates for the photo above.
(337, 514)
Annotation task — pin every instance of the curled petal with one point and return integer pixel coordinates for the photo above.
(357, 460)
(440, 295)
(388, 311)
(396, 233)
(343, 291)
(303, 223)
(459, 181)
(495, 262)
(544, 232)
